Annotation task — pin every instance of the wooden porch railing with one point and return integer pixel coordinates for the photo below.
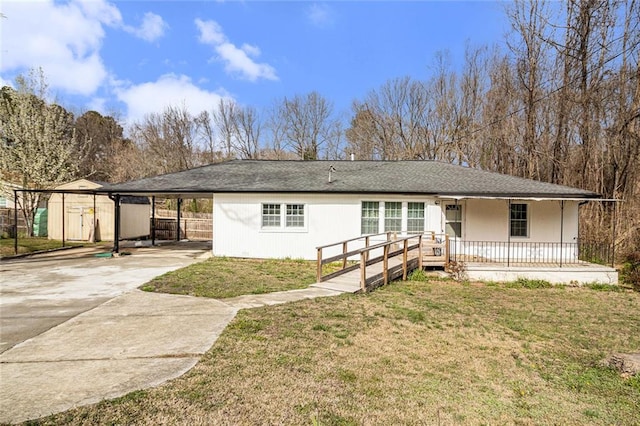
(390, 249)
(344, 256)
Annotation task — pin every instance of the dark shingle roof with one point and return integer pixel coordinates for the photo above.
(388, 177)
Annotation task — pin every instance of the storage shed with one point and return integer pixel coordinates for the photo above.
(89, 217)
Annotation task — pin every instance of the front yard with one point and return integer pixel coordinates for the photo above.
(434, 352)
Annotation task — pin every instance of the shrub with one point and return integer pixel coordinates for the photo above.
(528, 283)
(418, 275)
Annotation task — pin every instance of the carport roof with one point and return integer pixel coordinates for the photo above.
(347, 177)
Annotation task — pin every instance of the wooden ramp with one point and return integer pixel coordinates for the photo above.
(349, 282)
(357, 270)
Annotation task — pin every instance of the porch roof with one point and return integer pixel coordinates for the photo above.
(431, 178)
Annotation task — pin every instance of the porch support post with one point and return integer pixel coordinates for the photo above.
(178, 221)
(509, 237)
(455, 241)
(613, 236)
(561, 230)
(63, 219)
(153, 220)
(15, 221)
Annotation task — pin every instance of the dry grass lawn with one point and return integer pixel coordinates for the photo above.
(222, 277)
(435, 353)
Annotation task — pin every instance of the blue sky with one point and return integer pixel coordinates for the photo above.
(136, 57)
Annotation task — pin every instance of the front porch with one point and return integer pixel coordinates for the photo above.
(559, 263)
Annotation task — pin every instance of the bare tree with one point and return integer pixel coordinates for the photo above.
(168, 140)
(307, 125)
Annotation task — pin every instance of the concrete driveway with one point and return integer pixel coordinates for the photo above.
(75, 330)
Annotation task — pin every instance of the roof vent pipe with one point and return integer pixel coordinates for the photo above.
(331, 170)
(353, 157)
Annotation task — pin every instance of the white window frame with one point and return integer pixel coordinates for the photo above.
(381, 219)
(377, 218)
(526, 220)
(283, 215)
(416, 219)
(395, 218)
(275, 215)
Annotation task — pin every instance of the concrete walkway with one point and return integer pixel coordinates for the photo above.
(134, 341)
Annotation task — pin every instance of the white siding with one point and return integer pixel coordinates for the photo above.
(329, 219)
(332, 218)
(488, 220)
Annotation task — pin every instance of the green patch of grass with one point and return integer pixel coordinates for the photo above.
(30, 245)
(529, 283)
(223, 277)
(604, 287)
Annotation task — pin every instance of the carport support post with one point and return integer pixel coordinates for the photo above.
(116, 225)
(178, 221)
(95, 215)
(15, 221)
(63, 219)
(153, 220)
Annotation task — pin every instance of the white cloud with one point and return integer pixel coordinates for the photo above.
(320, 15)
(63, 39)
(168, 90)
(236, 60)
(151, 29)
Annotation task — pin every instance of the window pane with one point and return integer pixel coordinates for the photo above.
(453, 212)
(295, 215)
(393, 216)
(519, 220)
(453, 229)
(271, 215)
(453, 220)
(415, 217)
(370, 217)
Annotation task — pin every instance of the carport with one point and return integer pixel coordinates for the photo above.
(117, 197)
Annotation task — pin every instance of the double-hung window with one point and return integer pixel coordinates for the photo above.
(295, 216)
(415, 218)
(519, 220)
(392, 216)
(370, 217)
(271, 215)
